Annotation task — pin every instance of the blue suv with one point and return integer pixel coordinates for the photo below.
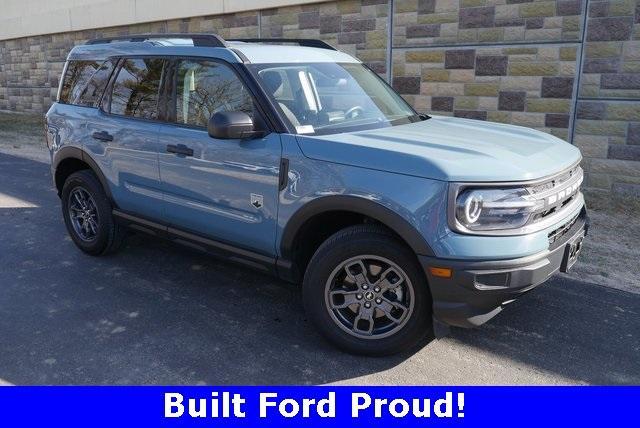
(297, 160)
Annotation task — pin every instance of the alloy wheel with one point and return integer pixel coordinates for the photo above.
(369, 297)
(83, 214)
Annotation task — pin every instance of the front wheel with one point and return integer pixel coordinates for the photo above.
(365, 292)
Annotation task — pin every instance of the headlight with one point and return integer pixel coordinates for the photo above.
(494, 208)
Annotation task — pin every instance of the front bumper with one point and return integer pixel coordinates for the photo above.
(478, 290)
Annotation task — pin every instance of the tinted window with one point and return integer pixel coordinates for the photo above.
(75, 79)
(95, 87)
(135, 91)
(204, 88)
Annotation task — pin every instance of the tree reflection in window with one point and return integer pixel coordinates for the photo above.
(135, 91)
(75, 79)
(205, 88)
(96, 85)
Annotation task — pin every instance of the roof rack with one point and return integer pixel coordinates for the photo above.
(311, 43)
(199, 39)
(207, 40)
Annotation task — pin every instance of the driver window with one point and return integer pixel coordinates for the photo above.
(206, 87)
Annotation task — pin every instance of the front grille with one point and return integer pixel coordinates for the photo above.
(555, 194)
(557, 181)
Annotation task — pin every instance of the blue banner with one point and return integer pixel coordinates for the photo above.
(327, 406)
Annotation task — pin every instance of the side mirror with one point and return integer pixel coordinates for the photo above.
(232, 125)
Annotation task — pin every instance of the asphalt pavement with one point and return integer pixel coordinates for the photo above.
(156, 313)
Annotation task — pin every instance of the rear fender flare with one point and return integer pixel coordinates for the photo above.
(70, 152)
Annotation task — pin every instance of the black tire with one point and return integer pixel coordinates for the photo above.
(343, 247)
(108, 235)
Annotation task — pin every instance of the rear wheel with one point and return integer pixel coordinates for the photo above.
(88, 215)
(365, 292)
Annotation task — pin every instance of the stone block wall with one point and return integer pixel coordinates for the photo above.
(425, 22)
(525, 85)
(607, 125)
(567, 67)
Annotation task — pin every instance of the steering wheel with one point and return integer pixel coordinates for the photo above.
(354, 112)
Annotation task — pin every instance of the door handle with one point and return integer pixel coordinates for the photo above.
(180, 149)
(102, 136)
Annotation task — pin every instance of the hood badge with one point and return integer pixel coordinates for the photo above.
(257, 200)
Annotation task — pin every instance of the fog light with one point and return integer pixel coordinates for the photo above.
(492, 280)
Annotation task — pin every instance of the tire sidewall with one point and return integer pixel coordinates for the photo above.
(328, 257)
(87, 181)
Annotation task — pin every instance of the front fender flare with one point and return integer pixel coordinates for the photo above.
(358, 205)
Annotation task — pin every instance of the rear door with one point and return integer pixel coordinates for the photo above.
(83, 84)
(226, 190)
(123, 137)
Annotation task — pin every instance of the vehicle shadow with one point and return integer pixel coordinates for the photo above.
(583, 332)
(156, 313)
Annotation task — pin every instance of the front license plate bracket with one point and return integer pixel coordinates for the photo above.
(571, 251)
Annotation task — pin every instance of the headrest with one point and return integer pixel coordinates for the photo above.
(272, 80)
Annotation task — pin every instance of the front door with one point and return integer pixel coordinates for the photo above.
(226, 190)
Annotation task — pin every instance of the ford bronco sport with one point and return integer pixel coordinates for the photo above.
(296, 159)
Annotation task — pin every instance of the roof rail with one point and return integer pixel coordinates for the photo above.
(311, 43)
(199, 39)
(207, 40)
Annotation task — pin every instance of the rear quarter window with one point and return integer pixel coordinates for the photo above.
(76, 78)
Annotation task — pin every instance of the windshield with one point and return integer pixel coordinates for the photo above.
(327, 98)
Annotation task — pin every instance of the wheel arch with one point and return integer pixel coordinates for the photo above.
(341, 204)
(70, 159)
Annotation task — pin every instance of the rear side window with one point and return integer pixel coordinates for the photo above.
(76, 78)
(92, 92)
(135, 90)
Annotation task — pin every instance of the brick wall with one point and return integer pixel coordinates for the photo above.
(567, 67)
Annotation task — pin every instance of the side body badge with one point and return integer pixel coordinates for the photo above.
(257, 200)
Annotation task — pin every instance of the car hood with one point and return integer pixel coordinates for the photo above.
(448, 149)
